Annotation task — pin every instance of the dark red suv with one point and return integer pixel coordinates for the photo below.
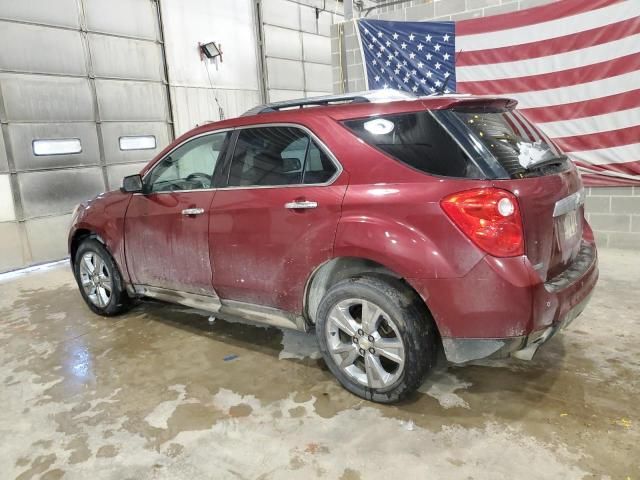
(394, 226)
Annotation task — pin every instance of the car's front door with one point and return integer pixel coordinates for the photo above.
(166, 227)
(276, 218)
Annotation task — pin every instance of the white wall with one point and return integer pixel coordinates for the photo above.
(236, 80)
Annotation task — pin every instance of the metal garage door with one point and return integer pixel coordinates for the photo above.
(297, 47)
(88, 72)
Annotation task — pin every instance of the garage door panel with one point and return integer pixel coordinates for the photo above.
(39, 49)
(10, 246)
(140, 20)
(4, 165)
(60, 12)
(318, 77)
(125, 58)
(128, 100)
(115, 173)
(285, 74)
(113, 132)
(284, 95)
(48, 237)
(7, 212)
(23, 135)
(57, 192)
(282, 43)
(37, 98)
(316, 48)
(281, 13)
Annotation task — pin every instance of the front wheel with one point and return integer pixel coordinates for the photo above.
(99, 279)
(376, 337)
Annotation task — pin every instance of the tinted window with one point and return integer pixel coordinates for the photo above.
(272, 156)
(510, 139)
(189, 167)
(417, 140)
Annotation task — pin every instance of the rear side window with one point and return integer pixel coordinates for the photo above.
(417, 140)
(508, 138)
(272, 156)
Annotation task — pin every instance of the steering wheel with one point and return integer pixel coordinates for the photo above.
(203, 178)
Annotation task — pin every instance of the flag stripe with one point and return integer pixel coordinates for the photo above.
(594, 124)
(610, 155)
(627, 168)
(578, 93)
(584, 109)
(553, 46)
(530, 16)
(554, 64)
(594, 141)
(561, 78)
(616, 12)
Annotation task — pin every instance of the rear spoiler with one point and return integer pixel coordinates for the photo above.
(485, 104)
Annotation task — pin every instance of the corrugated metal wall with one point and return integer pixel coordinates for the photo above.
(297, 47)
(76, 69)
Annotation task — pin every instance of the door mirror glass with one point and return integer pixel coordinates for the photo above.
(291, 165)
(132, 184)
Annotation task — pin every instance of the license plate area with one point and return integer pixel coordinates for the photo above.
(567, 225)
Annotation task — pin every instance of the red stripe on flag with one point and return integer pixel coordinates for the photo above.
(628, 168)
(587, 108)
(530, 16)
(561, 78)
(590, 180)
(552, 46)
(594, 141)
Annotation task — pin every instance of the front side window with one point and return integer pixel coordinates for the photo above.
(190, 166)
(272, 156)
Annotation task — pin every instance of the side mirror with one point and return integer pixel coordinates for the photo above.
(291, 165)
(132, 184)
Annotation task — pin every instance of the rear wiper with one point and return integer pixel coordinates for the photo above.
(546, 162)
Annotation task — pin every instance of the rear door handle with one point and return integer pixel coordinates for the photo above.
(193, 211)
(300, 205)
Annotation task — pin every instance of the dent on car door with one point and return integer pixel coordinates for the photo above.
(166, 229)
(275, 219)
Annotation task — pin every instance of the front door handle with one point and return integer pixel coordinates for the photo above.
(300, 205)
(193, 211)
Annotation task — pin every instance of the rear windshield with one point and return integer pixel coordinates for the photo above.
(495, 144)
(508, 138)
(417, 140)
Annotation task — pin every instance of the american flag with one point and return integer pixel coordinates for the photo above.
(573, 66)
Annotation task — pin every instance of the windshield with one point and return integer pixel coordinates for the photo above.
(510, 139)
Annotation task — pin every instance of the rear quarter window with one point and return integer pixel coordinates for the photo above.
(417, 140)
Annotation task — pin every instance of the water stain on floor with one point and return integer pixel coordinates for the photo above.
(153, 394)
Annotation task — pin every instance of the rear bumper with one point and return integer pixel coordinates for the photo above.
(508, 311)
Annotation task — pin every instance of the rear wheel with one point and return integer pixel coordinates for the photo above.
(99, 279)
(376, 337)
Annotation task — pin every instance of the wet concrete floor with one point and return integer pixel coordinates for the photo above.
(162, 393)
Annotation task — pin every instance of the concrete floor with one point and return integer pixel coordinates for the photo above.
(160, 393)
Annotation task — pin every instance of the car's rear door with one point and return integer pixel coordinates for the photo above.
(167, 227)
(275, 219)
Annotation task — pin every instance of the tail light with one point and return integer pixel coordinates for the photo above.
(490, 217)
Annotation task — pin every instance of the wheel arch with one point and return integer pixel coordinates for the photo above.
(342, 268)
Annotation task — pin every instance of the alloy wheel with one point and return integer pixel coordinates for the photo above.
(95, 279)
(365, 343)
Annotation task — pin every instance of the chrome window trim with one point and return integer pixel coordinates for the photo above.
(313, 136)
(148, 172)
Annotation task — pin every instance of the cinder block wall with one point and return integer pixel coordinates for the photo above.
(614, 212)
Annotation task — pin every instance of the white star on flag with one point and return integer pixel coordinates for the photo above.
(437, 47)
(395, 36)
(420, 47)
(428, 38)
(411, 37)
(445, 37)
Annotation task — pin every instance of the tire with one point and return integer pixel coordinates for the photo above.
(94, 287)
(394, 319)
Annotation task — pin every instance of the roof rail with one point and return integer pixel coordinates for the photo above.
(367, 96)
